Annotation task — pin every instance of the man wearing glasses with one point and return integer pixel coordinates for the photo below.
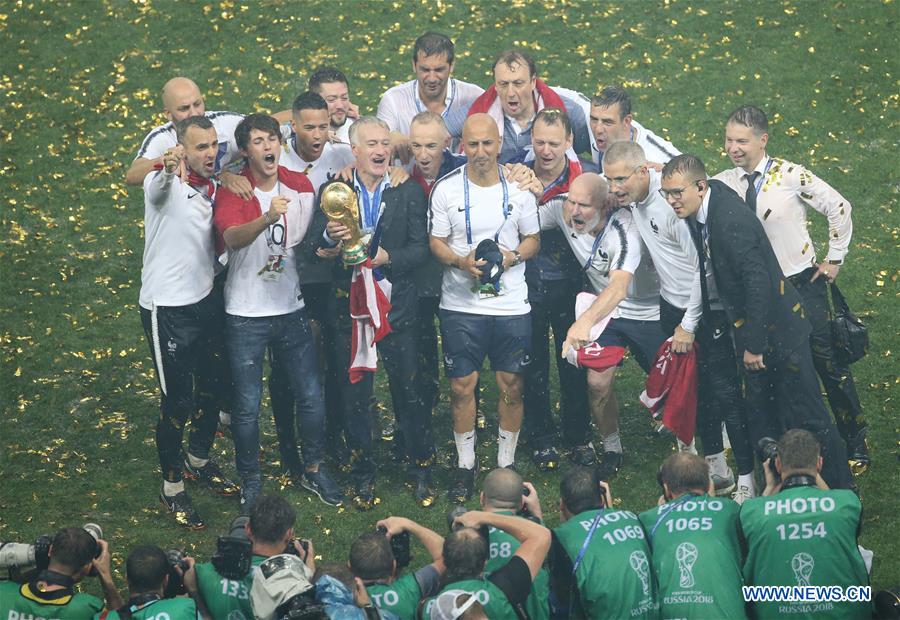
(607, 245)
(771, 335)
(780, 193)
(669, 242)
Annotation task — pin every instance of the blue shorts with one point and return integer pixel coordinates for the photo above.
(468, 338)
(642, 338)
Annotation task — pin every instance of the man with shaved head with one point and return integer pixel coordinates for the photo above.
(636, 185)
(607, 244)
(481, 225)
(504, 493)
(181, 98)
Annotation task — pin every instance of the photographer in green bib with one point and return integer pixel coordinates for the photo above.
(505, 493)
(376, 558)
(73, 555)
(694, 541)
(149, 572)
(599, 559)
(225, 589)
(801, 533)
(504, 592)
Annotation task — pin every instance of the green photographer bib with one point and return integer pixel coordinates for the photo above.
(805, 537)
(614, 578)
(696, 557)
(502, 548)
(18, 601)
(401, 597)
(227, 598)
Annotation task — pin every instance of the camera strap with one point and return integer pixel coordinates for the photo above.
(136, 603)
(56, 579)
(663, 514)
(798, 480)
(587, 541)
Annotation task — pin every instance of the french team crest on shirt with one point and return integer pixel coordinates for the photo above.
(654, 227)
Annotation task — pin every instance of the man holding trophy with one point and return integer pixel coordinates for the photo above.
(385, 225)
(483, 229)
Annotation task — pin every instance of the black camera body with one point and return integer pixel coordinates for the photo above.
(234, 552)
(768, 450)
(399, 547)
(176, 560)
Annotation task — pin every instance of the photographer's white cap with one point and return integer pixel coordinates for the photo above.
(445, 605)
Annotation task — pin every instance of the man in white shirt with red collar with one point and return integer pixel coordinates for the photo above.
(265, 307)
(612, 121)
(433, 89)
(779, 192)
(514, 99)
(674, 254)
(332, 86)
(180, 312)
(472, 205)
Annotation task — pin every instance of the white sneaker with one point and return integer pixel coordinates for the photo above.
(742, 494)
(690, 448)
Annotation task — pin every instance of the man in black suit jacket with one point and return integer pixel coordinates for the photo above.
(395, 217)
(769, 327)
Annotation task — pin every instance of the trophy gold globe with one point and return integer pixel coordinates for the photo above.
(339, 203)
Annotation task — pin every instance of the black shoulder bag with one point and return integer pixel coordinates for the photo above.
(849, 336)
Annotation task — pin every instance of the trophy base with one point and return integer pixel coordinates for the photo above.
(354, 256)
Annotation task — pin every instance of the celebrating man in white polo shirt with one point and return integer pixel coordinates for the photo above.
(433, 89)
(607, 244)
(612, 121)
(180, 312)
(475, 212)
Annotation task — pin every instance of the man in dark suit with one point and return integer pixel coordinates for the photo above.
(770, 330)
(395, 218)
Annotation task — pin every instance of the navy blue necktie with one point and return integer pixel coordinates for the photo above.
(750, 196)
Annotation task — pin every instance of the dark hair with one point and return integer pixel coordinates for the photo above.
(73, 547)
(612, 95)
(182, 126)
(555, 116)
(798, 449)
(465, 554)
(336, 571)
(512, 57)
(325, 75)
(433, 44)
(371, 556)
(262, 122)
(309, 101)
(688, 165)
(580, 491)
(145, 569)
(271, 517)
(752, 117)
(683, 472)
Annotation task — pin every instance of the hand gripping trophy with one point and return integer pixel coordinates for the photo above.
(339, 203)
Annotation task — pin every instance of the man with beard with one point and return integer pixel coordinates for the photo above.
(332, 86)
(180, 312)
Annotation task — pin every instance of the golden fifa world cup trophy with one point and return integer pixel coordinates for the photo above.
(339, 204)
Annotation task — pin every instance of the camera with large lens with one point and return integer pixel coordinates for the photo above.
(234, 551)
(768, 450)
(23, 561)
(177, 567)
(453, 526)
(399, 547)
(301, 607)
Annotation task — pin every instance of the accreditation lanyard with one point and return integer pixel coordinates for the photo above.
(595, 247)
(276, 232)
(451, 94)
(762, 178)
(668, 509)
(371, 205)
(587, 540)
(467, 206)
